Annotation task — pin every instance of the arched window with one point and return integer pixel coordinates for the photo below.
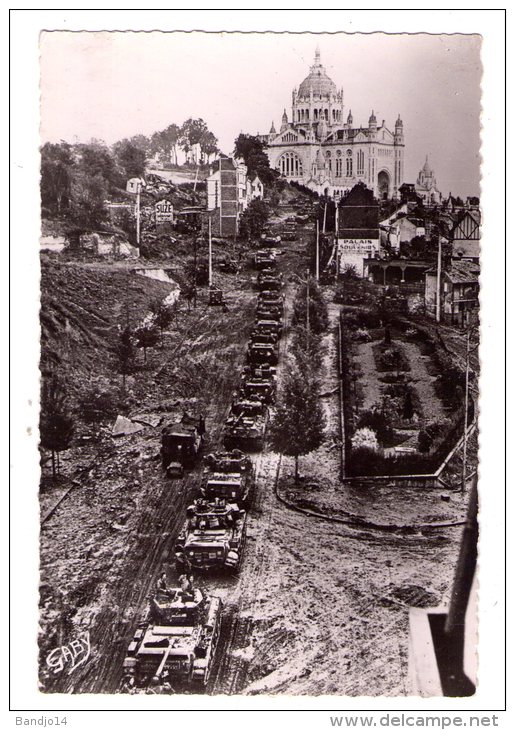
(289, 164)
(348, 168)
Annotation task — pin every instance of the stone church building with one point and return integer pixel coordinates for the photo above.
(322, 150)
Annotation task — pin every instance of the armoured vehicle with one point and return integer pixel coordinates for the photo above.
(259, 352)
(269, 325)
(260, 335)
(268, 240)
(234, 487)
(229, 462)
(271, 299)
(246, 426)
(264, 259)
(262, 371)
(213, 536)
(269, 280)
(177, 639)
(181, 441)
(260, 389)
(269, 311)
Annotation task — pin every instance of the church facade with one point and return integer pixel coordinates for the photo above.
(322, 150)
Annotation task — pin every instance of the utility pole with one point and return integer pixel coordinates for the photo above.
(317, 261)
(210, 253)
(195, 275)
(325, 216)
(307, 303)
(138, 213)
(465, 424)
(438, 280)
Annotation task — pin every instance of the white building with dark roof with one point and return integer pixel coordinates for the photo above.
(322, 150)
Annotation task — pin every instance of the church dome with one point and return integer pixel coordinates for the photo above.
(317, 81)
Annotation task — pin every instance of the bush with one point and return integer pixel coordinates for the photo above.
(365, 438)
(378, 419)
(318, 316)
(361, 335)
(390, 358)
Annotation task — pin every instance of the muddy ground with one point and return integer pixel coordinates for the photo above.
(318, 607)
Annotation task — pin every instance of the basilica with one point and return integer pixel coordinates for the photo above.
(322, 150)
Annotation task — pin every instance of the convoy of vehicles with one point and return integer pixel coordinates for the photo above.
(213, 536)
(176, 641)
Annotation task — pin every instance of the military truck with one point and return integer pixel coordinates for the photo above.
(176, 640)
(213, 536)
(182, 440)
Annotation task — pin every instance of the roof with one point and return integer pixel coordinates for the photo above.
(317, 81)
(463, 272)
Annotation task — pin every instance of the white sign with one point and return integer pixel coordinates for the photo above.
(134, 185)
(358, 245)
(164, 212)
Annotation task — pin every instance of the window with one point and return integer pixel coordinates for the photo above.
(348, 169)
(339, 166)
(290, 165)
(360, 163)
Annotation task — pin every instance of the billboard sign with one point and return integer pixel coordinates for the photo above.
(164, 212)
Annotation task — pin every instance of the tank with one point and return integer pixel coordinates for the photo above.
(213, 536)
(260, 389)
(246, 426)
(176, 641)
(271, 298)
(182, 440)
(260, 353)
(262, 371)
(264, 336)
(269, 325)
(229, 462)
(264, 259)
(269, 311)
(269, 281)
(234, 487)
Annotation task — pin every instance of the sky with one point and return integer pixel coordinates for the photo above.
(111, 85)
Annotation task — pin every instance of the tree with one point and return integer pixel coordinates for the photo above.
(191, 134)
(125, 353)
(208, 145)
(252, 150)
(298, 426)
(318, 316)
(254, 218)
(56, 175)
(162, 314)
(407, 407)
(87, 205)
(56, 423)
(146, 336)
(165, 143)
(131, 158)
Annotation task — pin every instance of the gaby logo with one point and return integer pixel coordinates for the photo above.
(71, 655)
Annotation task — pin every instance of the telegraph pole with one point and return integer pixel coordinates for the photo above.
(138, 213)
(210, 253)
(465, 424)
(317, 261)
(307, 303)
(438, 280)
(325, 216)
